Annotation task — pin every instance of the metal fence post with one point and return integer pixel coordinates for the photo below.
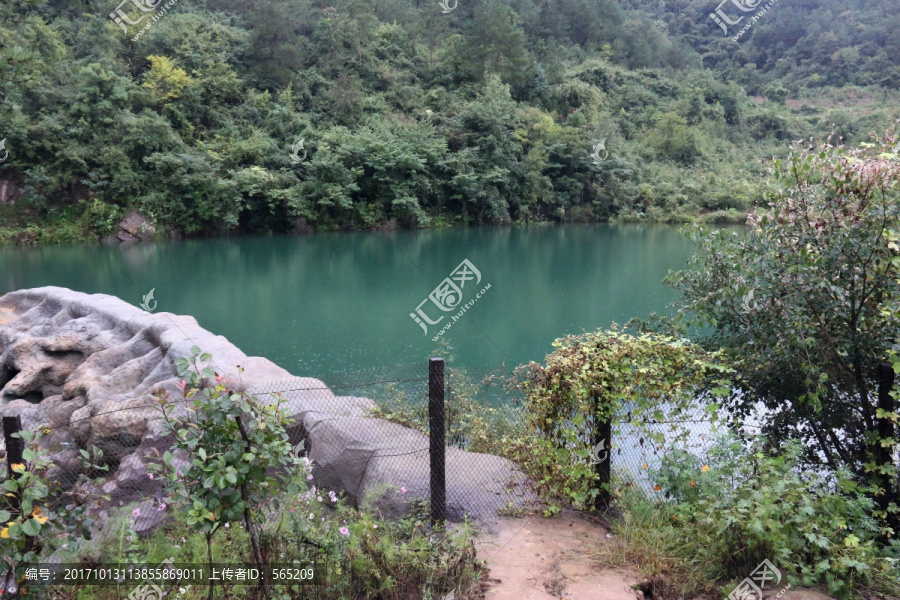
(886, 430)
(438, 446)
(14, 449)
(602, 440)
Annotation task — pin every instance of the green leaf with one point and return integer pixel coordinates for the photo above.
(31, 527)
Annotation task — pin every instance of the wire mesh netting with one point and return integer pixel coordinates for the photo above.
(367, 435)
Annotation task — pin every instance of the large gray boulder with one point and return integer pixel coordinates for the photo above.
(90, 366)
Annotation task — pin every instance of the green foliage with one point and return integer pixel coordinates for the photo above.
(673, 139)
(359, 554)
(806, 303)
(606, 376)
(37, 513)
(164, 81)
(748, 505)
(230, 452)
(411, 119)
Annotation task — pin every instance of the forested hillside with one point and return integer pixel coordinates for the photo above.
(293, 115)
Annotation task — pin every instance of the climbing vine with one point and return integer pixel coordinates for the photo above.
(608, 377)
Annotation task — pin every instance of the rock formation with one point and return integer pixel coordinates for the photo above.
(89, 367)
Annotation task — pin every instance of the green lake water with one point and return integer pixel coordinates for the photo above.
(341, 302)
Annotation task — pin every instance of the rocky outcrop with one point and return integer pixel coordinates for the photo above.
(90, 366)
(134, 227)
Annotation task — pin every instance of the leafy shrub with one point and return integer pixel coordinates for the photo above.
(37, 514)
(743, 505)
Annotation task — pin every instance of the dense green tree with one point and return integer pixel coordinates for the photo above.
(805, 303)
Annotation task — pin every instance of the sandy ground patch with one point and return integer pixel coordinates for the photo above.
(539, 558)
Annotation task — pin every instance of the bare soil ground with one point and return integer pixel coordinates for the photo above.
(540, 558)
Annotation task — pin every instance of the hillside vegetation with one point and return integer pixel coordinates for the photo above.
(410, 116)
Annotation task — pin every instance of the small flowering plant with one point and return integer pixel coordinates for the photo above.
(236, 446)
(36, 514)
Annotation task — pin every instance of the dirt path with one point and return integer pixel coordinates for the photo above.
(539, 558)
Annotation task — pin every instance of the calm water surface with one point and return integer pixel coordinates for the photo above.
(337, 302)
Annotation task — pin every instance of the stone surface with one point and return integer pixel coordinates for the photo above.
(137, 225)
(90, 366)
(372, 459)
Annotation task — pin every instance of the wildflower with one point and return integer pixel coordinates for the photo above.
(375, 526)
(657, 487)
(311, 516)
(136, 512)
(4, 533)
(402, 490)
(309, 477)
(227, 525)
(332, 496)
(150, 476)
(320, 498)
(38, 515)
(344, 531)
(704, 468)
(692, 483)
(644, 466)
(161, 507)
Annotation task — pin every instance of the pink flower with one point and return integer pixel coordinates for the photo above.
(227, 525)
(150, 475)
(161, 507)
(403, 490)
(332, 496)
(320, 498)
(136, 512)
(344, 531)
(375, 526)
(308, 477)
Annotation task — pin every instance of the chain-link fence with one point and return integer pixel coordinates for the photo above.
(368, 435)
